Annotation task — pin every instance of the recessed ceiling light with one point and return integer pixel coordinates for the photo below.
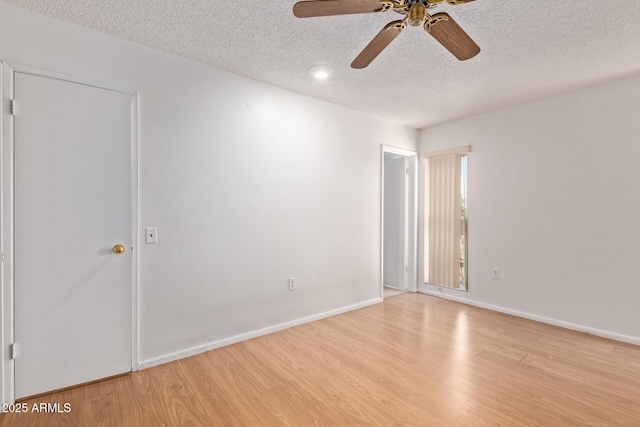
(321, 71)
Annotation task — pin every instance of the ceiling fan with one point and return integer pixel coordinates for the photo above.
(440, 25)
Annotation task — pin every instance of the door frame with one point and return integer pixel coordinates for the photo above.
(411, 230)
(7, 240)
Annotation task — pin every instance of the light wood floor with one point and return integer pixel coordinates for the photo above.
(414, 360)
(388, 292)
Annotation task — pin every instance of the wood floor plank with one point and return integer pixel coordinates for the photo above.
(414, 360)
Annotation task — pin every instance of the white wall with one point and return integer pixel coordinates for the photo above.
(247, 183)
(553, 202)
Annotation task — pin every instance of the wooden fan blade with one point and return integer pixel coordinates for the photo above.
(378, 44)
(308, 9)
(454, 2)
(450, 35)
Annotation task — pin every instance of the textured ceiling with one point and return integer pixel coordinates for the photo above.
(530, 48)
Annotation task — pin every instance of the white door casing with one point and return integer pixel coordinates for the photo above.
(74, 199)
(411, 210)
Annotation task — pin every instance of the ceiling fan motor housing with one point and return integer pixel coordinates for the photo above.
(417, 13)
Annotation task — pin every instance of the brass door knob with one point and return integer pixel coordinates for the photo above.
(118, 249)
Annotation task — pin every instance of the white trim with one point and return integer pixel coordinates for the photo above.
(406, 226)
(412, 160)
(43, 72)
(181, 354)
(550, 321)
(6, 208)
(135, 227)
(381, 254)
(396, 150)
(6, 230)
(424, 227)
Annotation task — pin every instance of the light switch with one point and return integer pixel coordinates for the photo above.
(151, 235)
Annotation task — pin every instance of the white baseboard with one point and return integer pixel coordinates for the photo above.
(555, 322)
(181, 354)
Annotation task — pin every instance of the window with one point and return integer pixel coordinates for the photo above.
(446, 218)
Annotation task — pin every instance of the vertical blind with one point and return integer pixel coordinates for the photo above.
(444, 211)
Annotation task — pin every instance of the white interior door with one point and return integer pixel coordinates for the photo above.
(394, 222)
(72, 205)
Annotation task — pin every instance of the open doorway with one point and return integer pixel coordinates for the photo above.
(399, 214)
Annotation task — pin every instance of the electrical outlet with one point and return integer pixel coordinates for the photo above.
(495, 273)
(292, 283)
